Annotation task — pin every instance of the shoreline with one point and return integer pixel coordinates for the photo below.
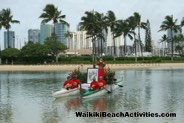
(84, 67)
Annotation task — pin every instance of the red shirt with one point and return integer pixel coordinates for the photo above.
(94, 85)
(100, 73)
(68, 84)
(75, 83)
(101, 83)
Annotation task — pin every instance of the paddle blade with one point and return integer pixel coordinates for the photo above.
(120, 86)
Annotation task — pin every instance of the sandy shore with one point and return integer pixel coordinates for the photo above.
(84, 67)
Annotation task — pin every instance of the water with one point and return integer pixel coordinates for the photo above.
(25, 97)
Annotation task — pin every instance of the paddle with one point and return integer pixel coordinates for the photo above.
(107, 90)
(117, 84)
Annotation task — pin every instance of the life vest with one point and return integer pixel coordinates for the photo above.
(101, 83)
(68, 84)
(75, 83)
(94, 85)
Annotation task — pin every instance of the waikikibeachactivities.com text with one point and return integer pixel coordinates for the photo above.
(123, 114)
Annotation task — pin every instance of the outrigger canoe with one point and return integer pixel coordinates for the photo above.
(109, 88)
(64, 92)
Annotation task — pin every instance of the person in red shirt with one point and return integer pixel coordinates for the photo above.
(67, 84)
(101, 64)
(94, 84)
(101, 82)
(75, 82)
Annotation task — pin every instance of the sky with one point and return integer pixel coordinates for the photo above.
(28, 12)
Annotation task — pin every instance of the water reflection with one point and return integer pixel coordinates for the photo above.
(70, 103)
(5, 106)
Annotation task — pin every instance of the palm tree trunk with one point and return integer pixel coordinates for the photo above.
(135, 48)
(93, 50)
(114, 48)
(124, 46)
(54, 32)
(139, 40)
(8, 38)
(98, 48)
(172, 51)
(141, 46)
(101, 46)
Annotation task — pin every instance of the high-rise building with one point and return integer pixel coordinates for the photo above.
(34, 35)
(46, 31)
(119, 42)
(79, 40)
(60, 30)
(169, 38)
(9, 39)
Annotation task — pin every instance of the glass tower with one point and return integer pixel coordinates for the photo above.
(11, 42)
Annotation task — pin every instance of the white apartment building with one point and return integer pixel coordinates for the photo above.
(119, 43)
(78, 41)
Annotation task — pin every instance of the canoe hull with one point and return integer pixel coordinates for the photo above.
(94, 93)
(63, 92)
(110, 88)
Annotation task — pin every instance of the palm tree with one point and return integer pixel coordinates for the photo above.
(125, 29)
(68, 35)
(111, 20)
(164, 40)
(179, 43)
(1, 19)
(101, 30)
(6, 18)
(95, 25)
(88, 23)
(182, 22)
(132, 24)
(51, 13)
(139, 25)
(170, 24)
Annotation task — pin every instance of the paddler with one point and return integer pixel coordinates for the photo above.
(94, 84)
(67, 84)
(75, 82)
(101, 64)
(101, 82)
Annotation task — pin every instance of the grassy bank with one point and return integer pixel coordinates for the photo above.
(88, 60)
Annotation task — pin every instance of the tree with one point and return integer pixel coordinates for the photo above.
(51, 13)
(34, 50)
(139, 25)
(10, 54)
(148, 42)
(179, 40)
(6, 18)
(101, 31)
(123, 28)
(164, 40)
(92, 25)
(111, 20)
(132, 24)
(96, 26)
(1, 19)
(170, 24)
(54, 46)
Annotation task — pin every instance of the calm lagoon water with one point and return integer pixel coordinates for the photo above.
(25, 97)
